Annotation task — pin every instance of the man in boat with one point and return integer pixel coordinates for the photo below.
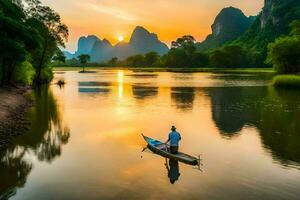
(174, 138)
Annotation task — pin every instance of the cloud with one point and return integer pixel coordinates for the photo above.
(110, 10)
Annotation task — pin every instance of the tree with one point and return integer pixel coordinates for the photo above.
(16, 40)
(151, 59)
(284, 53)
(113, 62)
(59, 57)
(186, 42)
(83, 59)
(176, 57)
(230, 56)
(136, 61)
(199, 59)
(295, 28)
(53, 35)
(30, 32)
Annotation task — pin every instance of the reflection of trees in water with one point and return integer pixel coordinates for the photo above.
(142, 92)
(45, 138)
(183, 97)
(279, 125)
(47, 133)
(275, 113)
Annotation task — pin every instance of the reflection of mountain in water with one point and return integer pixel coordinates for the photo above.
(45, 138)
(142, 92)
(88, 87)
(183, 97)
(232, 107)
(275, 113)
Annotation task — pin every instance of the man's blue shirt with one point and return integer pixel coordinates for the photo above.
(174, 138)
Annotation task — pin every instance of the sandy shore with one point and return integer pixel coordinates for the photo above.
(14, 102)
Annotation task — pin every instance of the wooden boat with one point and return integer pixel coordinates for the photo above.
(164, 150)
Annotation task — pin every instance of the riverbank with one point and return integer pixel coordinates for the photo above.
(13, 106)
(287, 81)
(179, 70)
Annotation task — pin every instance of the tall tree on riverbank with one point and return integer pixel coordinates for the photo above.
(83, 59)
(29, 32)
(16, 40)
(53, 35)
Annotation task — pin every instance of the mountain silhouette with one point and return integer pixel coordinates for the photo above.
(229, 24)
(141, 42)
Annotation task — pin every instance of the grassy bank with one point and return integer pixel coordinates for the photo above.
(287, 81)
(182, 70)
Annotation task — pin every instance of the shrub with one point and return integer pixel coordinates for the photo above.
(284, 54)
(24, 74)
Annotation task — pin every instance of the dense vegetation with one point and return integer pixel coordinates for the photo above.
(284, 53)
(31, 35)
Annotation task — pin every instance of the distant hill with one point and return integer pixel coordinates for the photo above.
(101, 51)
(229, 24)
(141, 42)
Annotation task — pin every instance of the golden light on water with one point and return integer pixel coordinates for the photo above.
(120, 84)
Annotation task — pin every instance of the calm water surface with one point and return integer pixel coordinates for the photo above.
(84, 141)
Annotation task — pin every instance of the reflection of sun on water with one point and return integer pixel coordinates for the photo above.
(120, 84)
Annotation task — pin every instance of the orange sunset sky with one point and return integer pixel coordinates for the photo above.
(170, 19)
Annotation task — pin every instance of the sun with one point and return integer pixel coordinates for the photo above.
(120, 38)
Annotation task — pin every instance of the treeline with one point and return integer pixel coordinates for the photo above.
(31, 35)
(183, 54)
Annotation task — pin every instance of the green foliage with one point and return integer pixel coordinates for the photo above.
(290, 81)
(152, 59)
(186, 42)
(136, 61)
(230, 56)
(24, 74)
(59, 57)
(84, 58)
(46, 74)
(32, 32)
(176, 57)
(16, 39)
(276, 23)
(113, 62)
(284, 53)
(53, 34)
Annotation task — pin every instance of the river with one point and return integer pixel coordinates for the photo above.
(85, 139)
